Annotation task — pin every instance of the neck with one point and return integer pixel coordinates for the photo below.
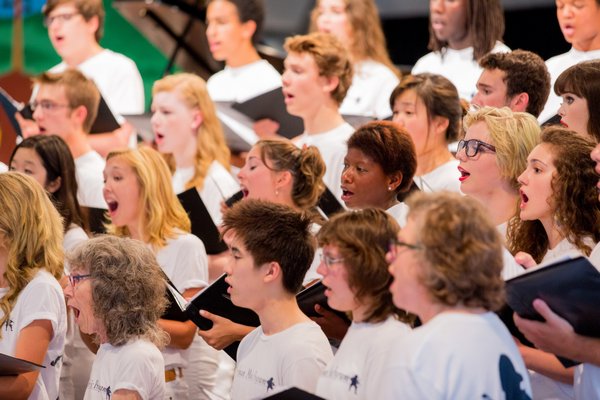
(135, 232)
(501, 202)
(589, 44)
(280, 313)
(246, 55)
(78, 143)
(78, 57)
(432, 158)
(322, 119)
(186, 157)
(434, 309)
(391, 202)
(555, 236)
(460, 43)
(359, 313)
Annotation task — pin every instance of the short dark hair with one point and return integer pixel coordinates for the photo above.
(390, 146)
(583, 80)
(250, 10)
(274, 232)
(87, 8)
(58, 162)
(524, 72)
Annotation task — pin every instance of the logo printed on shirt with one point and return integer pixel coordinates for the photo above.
(354, 383)
(510, 380)
(351, 380)
(96, 386)
(270, 384)
(8, 324)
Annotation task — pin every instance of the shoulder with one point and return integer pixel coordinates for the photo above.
(184, 240)
(428, 60)
(500, 47)
(116, 58)
(73, 236)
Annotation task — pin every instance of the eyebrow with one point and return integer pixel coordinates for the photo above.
(535, 160)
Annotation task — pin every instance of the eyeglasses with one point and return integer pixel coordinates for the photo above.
(473, 146)
(330, 261)
(75, 279)
(47, 105)
(395, 243)
(59, 17)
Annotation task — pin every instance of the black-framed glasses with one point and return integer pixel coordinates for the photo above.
(75, 279)
(47, 105)
(395, 243)
(330, 261)
(59, 17)
(473, 146)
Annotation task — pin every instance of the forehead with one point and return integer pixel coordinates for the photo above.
(357, 155)
(305, 60)
(493, 77)
(64, 8)
(118, 163)
(172, 97)
(543, 152)
(27, 154)
(478, 130)
(54, 92)
(408, 97)
(222, 8)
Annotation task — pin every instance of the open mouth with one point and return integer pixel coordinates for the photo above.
(463, 174)
(245, 192)
(112, 206)
(287, 97)
(346, 194)
(524, 198)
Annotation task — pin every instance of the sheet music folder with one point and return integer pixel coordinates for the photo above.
(105, 120)
(215, 299)
(570, 287)
(202, 223)
(272, 105)
(294, 394)
(11, 366)
(312, 295)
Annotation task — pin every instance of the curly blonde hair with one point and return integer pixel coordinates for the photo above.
(128, 287)
(574, 197)
(211, 144)
(461, 250)
(30, 232)
(163, 215)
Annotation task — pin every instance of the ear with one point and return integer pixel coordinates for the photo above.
(330, 83)
(394, 180)
(80, 114)
(272, 272)
(53, 186)
(519, 102)
(248, 29)
(197, 119)
(93, 25)
(439, 124)
(284, 178)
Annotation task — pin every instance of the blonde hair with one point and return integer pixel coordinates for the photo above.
(211, 144)
(162, 213)
(30, 232)
(514, 134)
(368, 40)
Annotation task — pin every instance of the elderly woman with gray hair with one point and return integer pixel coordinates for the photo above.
(117, 291)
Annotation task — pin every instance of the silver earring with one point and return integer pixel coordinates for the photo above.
(390, 188)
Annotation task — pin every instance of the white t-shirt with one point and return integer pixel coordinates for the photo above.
(356, 369)
(136, 365)
(218, 186)
(587, 382)
(73, 236)
(41, 299)
(243, 83)
(117, 78)
(556, 66)
(456, 356)
(185, 262)
(268, 364)
(90, 181)
(3, 167)
(444, 177)
(399, 212)
(333, 148)
(563, 249)
(369, 94)
(456, 65)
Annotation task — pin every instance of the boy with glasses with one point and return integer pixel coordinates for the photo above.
(65, 105)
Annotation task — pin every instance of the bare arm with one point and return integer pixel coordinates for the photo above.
(32, 345)
(125, 394)
(181, 333)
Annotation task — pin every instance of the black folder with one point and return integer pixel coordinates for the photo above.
(272, 105)
(202, 223)
(215, 299)
(105, 120)
(294, 394)
(11, 366)
(329, 204)
(571, 288)
(315, 294)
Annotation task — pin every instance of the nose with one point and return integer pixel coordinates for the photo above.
(567, 11)
(210, 30)
(398, 119)
(227, 268)
(561, 110)
(322, 268)
(522, 179)
(37, 113)
(461, 154)
(347, 175)
(68, 290)
(436, 6)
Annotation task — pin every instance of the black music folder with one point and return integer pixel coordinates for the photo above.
(571, 288)
(294, 394)
(315, 294)
(215, 299)
(202, 223)
(105, 120)
(11, 366)
(272, 105)
(329, 204)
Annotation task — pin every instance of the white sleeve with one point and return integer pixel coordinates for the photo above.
(139, 372)
(43, 301)
(191, 264)
(399, 382)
